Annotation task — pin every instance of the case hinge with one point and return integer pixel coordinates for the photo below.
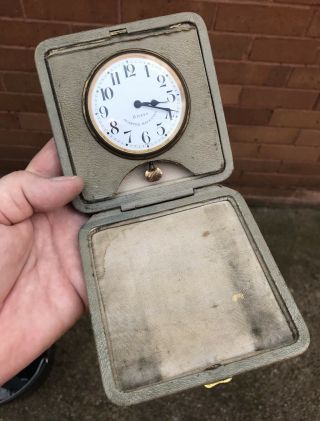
(154, 200)
(118, 31)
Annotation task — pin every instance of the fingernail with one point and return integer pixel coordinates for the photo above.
(64, 178)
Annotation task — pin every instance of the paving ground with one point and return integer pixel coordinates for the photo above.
(286, 391)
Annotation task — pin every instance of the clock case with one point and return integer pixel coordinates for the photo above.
(64, 64)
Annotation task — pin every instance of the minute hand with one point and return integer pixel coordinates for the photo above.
(147, 104)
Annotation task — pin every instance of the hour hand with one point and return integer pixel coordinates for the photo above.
(154, 102)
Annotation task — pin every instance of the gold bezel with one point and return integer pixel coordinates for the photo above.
(102, 138)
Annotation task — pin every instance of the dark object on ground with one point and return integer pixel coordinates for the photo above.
(29, 379)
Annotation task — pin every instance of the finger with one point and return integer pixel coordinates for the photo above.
(33, 317)
(46, 161)
(22, 193)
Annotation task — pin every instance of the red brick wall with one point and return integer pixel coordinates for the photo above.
(267, 55)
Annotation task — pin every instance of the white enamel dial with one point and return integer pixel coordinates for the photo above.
(136, 103)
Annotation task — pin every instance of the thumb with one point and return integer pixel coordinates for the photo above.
(23, 193)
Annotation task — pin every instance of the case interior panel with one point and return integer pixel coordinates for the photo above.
(206, 301)
(102, 170)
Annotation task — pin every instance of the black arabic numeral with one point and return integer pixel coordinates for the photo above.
(129, 70)
(103, 111)
(146, 138)
(129, 131)
(115, 78)
(169, 114)
(161, 79)
(171, 97)
(147, 70)
(114, 127)
(107, 93)
(160, 128)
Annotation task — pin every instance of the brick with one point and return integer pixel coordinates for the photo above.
(274, 196)
(230, 94)
(17, 152)
(296, 118)
(247, 116)
(21, 82)
(74, 28)
(23, 138)
(251, 164)
(34, 121)
(261, 180)
(309, 138)
(277, 98)
(10, 8)
(2, 88)
(281, 50)
(300, 168)
(314, 29)
(251, 18)
(229, 46)
(279, 180)
(17, 59)
(244, 150)
(142, 9)
(9, 165)
(305, 77)
(29, 34)
(252, 73)
(9, 120)
(21, 102)
(289, 153)
(263, 134)
(309, 181)
(313, 2)
(233, 178)
(73, 10)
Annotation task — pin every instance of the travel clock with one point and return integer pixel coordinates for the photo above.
(183, 291)
(136, 103)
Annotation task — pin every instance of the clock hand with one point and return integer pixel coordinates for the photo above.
(139, 104)
(154, 102)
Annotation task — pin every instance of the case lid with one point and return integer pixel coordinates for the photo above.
(64, 65)
(184, 293)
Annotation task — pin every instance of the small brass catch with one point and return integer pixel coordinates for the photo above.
(211, 385)
(153, 173)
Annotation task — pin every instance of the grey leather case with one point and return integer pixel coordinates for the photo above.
(182, 288)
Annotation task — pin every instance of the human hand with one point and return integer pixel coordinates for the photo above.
(42, 292)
